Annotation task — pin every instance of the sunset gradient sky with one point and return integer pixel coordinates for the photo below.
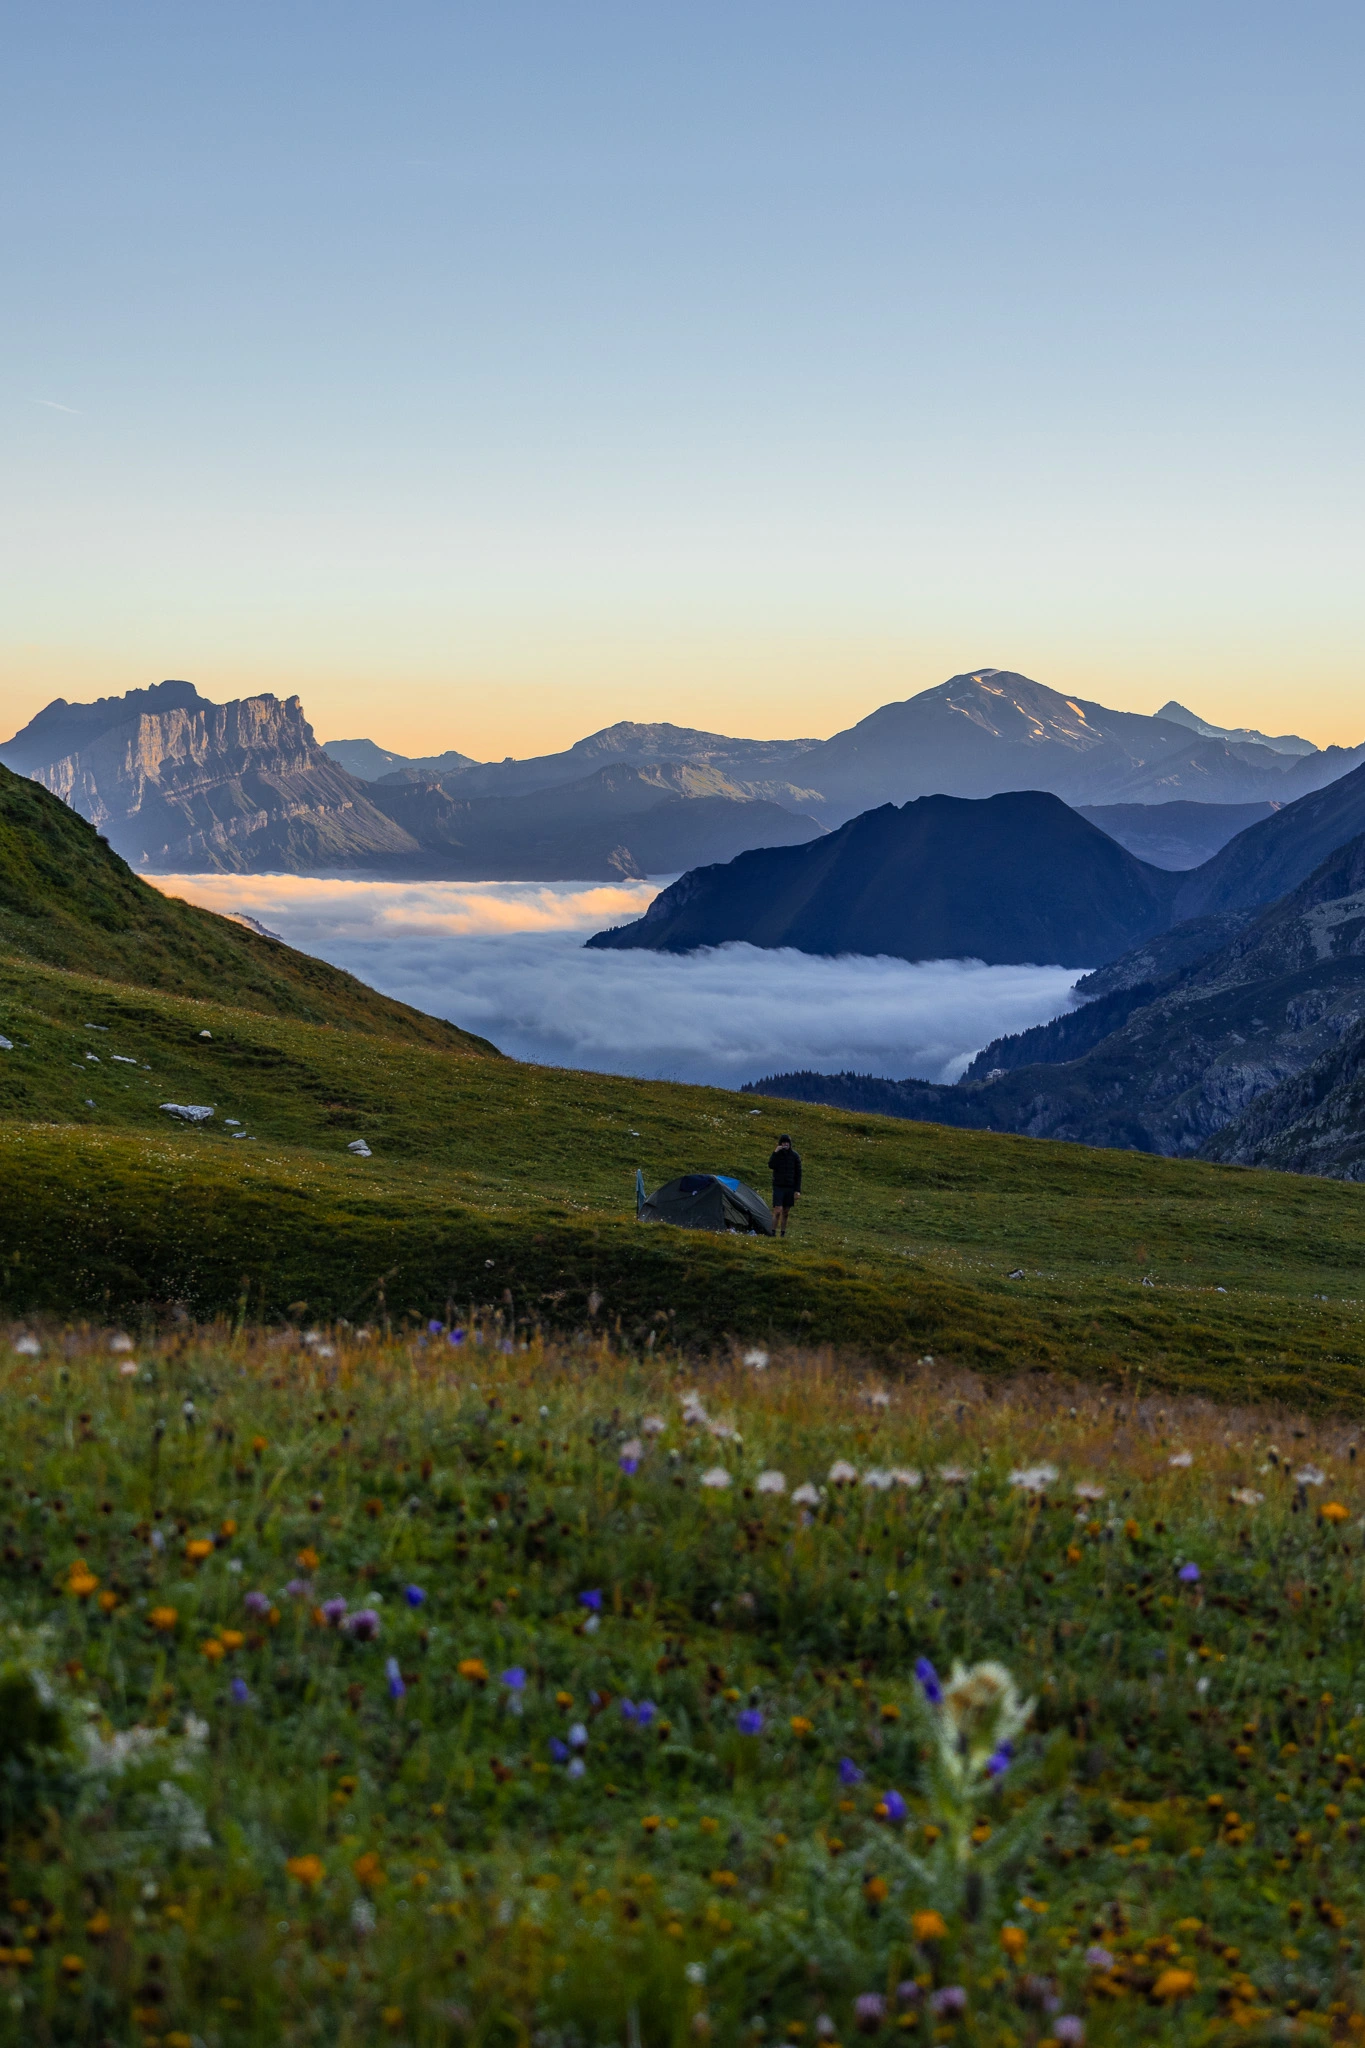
(487, 373)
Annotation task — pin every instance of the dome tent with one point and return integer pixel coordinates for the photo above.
(704, 1201)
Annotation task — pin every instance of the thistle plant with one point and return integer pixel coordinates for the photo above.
(972, 1722)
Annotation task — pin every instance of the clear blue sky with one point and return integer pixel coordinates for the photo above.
(488, 373)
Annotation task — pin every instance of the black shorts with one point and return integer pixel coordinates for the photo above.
(783, 1197)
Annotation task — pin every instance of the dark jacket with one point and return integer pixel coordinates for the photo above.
(785, 1168)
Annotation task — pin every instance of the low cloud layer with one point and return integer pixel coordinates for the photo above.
(507, 960)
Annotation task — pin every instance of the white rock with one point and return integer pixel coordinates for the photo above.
(188, 1112)
(6, 1044)
(360, 1148)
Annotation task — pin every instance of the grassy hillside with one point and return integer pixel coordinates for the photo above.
(904, 1242)
(67, 900)
(489, 1179)
(464, 1697)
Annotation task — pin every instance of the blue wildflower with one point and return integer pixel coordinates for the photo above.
(592, 1599)
(849, 1774)
(559, 1750)
(894, 1806)
(928, 1678)
(241, 1691)
(645, 1713)
(414, 1595)
(1189, 1575)
(395, 1678)
(750, 1722)
(999, 1760)
(514, 1677)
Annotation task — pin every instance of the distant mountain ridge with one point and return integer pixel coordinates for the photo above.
(1009, 878)
(1250, 1048)
(179, 782)
(981, 733)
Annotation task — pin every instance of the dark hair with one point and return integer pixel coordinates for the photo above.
(784, 1139)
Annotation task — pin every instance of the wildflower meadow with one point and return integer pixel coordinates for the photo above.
(447, 1687)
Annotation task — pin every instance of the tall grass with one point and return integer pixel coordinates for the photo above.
(460, 1688)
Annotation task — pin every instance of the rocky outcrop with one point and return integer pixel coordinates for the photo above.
(188, 785)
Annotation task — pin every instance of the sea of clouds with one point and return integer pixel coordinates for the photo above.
(506, 959)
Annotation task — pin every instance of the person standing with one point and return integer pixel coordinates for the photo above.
(785, 1168)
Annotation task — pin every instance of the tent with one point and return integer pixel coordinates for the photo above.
(704, 1201)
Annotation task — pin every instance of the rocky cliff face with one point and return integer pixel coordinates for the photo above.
(189, 785)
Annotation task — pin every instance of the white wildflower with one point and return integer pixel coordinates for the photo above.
(631, 1448)
(120, 1343)
(1246, 1497)
(1086, 1489)
(757, 1358)
(906, 1475)
(841, 1473)
(1034, 1478)
(653, 1425)
(954, 1475)
(1310, 1475)
(129, 1369)
(108, 1757)
(178, 1820)
(717, 1477)
(1181, 1459)
(879, 1481)
(875, 1398)
(806, 1496)
(771, 1482)
(28, 1347)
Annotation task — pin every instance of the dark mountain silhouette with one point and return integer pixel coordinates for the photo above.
(1268, 859)
(1017, 877)
(1253, 1052)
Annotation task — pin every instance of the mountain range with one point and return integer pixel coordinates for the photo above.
(1237, 1035)
(176, 782)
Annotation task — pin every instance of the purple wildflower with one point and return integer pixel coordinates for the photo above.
(1189, 1575)
(1099, 1958)
(257, 1604)
(908, 1991)
(514, 1678)
(241, 1691)
(454, 1336)
(334, 1612)
(629, 1710)
(434, 1328)
(577, 1768)
(363, 1624)
(952, 1998)
(414, 1595)
(869, 2010)
(928, 1678)
(395, 1678)
(1069, 2030)
(849, 1774)
(300, 1589)
(750, 1722)
(578, 1736)
(1000, 1759)
(559, 1750)
(895, 1807)
(592, 1600)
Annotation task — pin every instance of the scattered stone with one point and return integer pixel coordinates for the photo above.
(188, 1112)
(360, 1148)
(206, 1034)
(6, 1044)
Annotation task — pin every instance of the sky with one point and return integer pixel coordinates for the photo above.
(507, 959)
(486, 374)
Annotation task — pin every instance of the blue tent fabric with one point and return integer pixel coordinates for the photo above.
(706, 1201)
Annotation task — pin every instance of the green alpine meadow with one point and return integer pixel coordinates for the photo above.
(437, 1608)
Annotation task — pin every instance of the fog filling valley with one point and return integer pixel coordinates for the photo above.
(506, 959)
